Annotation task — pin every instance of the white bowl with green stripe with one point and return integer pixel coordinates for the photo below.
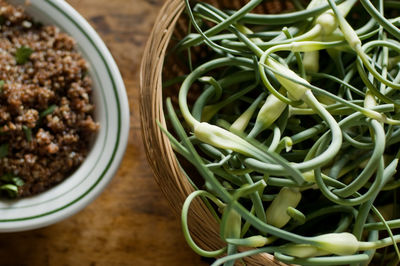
(112, 111)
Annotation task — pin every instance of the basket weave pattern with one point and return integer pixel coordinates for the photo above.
(168, 173)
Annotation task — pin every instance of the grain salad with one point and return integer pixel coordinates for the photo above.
(46, 111)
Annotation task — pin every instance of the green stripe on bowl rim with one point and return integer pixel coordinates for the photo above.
(50, 2)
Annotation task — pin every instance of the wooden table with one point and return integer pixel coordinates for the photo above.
(130, 223)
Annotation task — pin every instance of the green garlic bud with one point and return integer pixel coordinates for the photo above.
(221, 138)
(302, 250)
(270, 111)
(233, 225)
(277, 211)
(242, 121)
(252, 241)
(309, 176)
(328, 22)
(369, 100)
(338, 243)
(311, 61)
(296, 90)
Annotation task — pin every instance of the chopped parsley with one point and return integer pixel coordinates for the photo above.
(12, 179)
(28, 133)
(12, 190)
(48, 111)
(11, 184)
(22, 55)
(3, 150)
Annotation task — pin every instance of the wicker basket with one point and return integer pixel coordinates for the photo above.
(161, 157)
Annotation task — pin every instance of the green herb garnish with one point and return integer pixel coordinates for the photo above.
(1, 85)
(28, 133)
(11, 184)
(18, 181)
(3, 150)
(22, 55)
(12, 179)
(12, 190)
(48, 110)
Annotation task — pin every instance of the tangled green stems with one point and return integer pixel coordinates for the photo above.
(296, 102)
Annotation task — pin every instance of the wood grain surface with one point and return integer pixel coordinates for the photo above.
(130, 223)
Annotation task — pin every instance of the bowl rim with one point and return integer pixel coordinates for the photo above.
(121, 138)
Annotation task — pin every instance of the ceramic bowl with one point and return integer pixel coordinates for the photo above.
(112, 112)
